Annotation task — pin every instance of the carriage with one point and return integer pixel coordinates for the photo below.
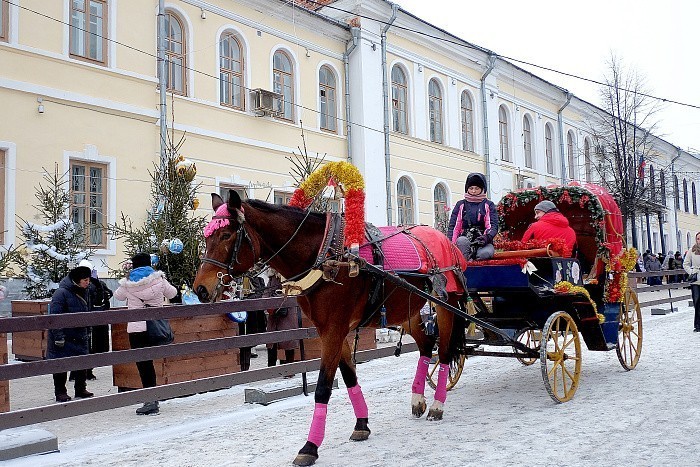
(529, 299)
(530, 296)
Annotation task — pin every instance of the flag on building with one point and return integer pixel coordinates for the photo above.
(642, 164)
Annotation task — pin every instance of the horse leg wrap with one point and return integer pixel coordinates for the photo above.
(418, 386)
(441, 390)
(318, 424)
(358, 401)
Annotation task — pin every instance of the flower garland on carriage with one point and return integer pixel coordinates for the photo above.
(596, 218)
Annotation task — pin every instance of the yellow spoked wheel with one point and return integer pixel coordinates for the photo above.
(629, 337)
(560, 356)
(456, 368)
(531, 338)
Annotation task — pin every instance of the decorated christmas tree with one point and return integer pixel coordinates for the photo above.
(171, 233)
(55, 245)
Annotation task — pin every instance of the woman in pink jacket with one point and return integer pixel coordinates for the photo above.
(144, 287)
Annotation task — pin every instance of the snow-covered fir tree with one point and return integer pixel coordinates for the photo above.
(55, 245)
(169, 219)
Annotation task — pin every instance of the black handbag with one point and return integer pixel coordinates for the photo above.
(159, 332)
(693, 277)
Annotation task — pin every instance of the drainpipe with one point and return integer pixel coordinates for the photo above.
(676, 207)
(560, 123)
(346, 65)
(484, 112)
(162, 84)
(385, 99)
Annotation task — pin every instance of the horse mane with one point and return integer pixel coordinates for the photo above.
(294, 213)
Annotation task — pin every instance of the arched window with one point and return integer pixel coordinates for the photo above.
(231, 84)
(652, 183)
(549, 148)
(283, 83)
(570, 154)
(676, 193)
(662, 185)
(4, 21)
(503, 133)
(435, 110)
(442, 216)
(587, 157)
(404, 201)
(327, 98)
(88, 32)
(695, 203)
(175, 55)
(527, 141)
(685, 195)
(467, 122)
(399, 98)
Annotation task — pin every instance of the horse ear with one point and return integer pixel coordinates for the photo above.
(216, 201)
(234, 201)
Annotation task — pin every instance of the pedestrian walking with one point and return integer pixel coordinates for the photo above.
(145, 287)
(70, 297)
(691, 264)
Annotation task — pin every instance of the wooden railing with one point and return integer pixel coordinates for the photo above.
(643, 288)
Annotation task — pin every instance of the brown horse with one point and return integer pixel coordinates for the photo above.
(289, 240)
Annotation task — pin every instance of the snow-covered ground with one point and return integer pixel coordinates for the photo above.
(498, 414)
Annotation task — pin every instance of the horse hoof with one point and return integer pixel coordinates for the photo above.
(434, 414)
(305, 459)
(359, 435)
(418, 405)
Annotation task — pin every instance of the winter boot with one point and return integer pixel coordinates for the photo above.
(83, 393)
(62, 398)
(149, 408)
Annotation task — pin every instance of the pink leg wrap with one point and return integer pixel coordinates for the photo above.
(358, 401)
(418, 386)
(441, 390)
(318, 424)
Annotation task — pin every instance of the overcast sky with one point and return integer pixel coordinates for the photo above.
(657, 39)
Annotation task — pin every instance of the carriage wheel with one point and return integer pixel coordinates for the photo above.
(629, 338)
(532, 339)
(456, 368)
(560, 356)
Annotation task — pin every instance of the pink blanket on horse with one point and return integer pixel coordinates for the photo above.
(421, 251)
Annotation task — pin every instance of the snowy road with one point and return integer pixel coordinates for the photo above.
(499, 414)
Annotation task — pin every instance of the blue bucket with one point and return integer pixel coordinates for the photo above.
(611, 325)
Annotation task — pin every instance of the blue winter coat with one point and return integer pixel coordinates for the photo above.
(68, 298)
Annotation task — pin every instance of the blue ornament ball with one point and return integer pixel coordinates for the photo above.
(154, 260)
(176, 246)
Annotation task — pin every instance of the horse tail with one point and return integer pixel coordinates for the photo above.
(458, 336)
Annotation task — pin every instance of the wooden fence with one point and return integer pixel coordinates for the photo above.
(99, 403)
(643, 288)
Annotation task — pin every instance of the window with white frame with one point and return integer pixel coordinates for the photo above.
(570, 154)
(687, 240)
(467, 109)
(695, 203)
(327, 99)
(4, 20)
(404, 201)
(662, 186)
(240, 189)
(652, 183)
(283, 197)
(399, 100)
(527, 141)
(283, 83)
(676, 193)
(231, 72)
(685, 195)
(88, 209)
(587, 157)
(549, 148)
(88, 29)
(440, 207)
(435, 110)
(175, 54)
(503, 133)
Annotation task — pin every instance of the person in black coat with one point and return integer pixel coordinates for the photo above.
(70, 297)
(474, 220)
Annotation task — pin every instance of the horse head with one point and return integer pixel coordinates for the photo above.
(231, 247)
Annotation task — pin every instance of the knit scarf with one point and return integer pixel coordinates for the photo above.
(474, 198)
(695, 249)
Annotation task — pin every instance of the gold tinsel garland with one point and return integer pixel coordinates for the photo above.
(565, 287)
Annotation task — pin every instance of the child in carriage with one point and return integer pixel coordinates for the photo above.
(474, 220)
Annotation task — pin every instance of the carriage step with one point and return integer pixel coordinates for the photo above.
(263, 397)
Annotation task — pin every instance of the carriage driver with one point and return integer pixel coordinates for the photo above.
(471, 214)
(550, 223)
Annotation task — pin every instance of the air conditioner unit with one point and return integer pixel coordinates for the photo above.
(529, 182)
(265, 102)
(521, 181)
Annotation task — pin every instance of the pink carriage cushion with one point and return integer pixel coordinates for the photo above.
(400, 253)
